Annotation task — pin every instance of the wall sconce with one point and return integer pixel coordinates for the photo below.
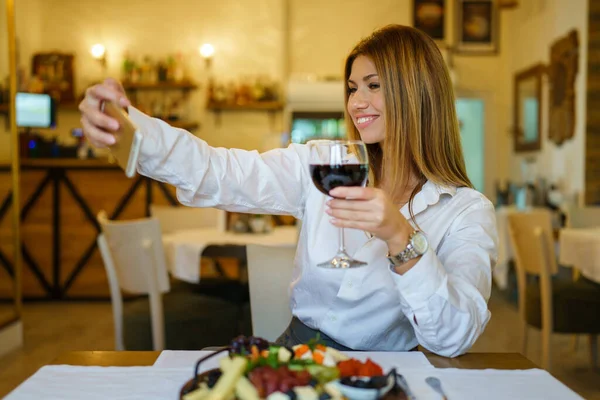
(98, 51)
(207, 51)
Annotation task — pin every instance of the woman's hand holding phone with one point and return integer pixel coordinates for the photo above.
(97, 126)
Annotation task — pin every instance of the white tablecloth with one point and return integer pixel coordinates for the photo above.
(580, 248)
(184, 248)
(151, 383)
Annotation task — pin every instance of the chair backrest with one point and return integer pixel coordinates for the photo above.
(583, 217)
(529, 254)
(137, 252)
(531, 238)
(269, 279)
(173, 218)
(133, 257)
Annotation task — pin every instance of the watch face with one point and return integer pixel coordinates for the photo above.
(419, 242)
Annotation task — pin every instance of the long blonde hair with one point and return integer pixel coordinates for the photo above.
(422, 135)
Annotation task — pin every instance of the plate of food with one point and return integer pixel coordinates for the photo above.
(256, 369)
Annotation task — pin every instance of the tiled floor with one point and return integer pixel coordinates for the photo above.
(53, 328)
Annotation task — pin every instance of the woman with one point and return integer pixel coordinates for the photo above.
(429, 239)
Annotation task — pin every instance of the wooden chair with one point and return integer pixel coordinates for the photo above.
(547, 303)
(269, 275)
(173, 315)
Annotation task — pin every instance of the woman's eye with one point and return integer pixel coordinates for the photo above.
(351, 90)
(373, 85)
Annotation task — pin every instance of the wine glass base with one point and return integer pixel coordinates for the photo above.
(342, 261)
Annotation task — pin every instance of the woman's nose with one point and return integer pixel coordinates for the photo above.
(358, 102)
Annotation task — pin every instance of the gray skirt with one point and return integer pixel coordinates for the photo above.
(298, 333)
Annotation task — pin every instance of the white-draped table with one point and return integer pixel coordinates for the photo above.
(183, 249)
(135, 375)
(580, 248)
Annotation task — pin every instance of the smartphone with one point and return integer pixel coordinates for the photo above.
(128, 139)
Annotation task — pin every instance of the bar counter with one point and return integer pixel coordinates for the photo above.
(60, 199)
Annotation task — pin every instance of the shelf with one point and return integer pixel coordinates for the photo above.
(256, 106)
(160, 86)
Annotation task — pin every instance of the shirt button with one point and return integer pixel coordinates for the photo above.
(333, 318)
(350, 284)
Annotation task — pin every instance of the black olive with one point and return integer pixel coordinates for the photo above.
(291, 394)
(361, 384)
(346, 381)
(213, 377)
(313, 382)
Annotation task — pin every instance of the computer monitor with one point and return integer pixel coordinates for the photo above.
(35, 110)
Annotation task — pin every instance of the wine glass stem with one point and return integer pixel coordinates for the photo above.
(342, 244)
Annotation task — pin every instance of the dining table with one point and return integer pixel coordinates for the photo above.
(161, 375)
(580, 249)
(183, 248)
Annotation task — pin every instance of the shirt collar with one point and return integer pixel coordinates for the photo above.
(429, 195)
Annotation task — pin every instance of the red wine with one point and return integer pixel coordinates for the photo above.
(327, 177)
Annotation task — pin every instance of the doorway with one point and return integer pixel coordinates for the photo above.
(471, 117)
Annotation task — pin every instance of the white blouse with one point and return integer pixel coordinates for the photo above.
(441, 303)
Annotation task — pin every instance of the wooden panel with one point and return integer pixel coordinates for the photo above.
(592, 142)
(101, 187)
(6, 241)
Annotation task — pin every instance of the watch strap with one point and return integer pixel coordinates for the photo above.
(405, 255)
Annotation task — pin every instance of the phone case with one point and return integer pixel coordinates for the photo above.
(128, 139)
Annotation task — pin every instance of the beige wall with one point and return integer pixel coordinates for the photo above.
(531, 29)
(322, 32)
(250, 38)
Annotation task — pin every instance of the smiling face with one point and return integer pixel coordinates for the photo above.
(366, 104)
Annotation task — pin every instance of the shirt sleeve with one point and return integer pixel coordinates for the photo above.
(274, 182)
(445, 293)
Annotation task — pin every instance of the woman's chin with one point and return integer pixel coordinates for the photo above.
(370, 139)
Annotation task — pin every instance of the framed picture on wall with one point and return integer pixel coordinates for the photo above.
(55, 73)
(429, 17)
(476, 24)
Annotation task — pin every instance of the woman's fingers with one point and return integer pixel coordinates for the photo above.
(354, 215)
(96, 136)
(96, 124)
(99, 119)
(357, 205)
(353, 192)
(116, 86)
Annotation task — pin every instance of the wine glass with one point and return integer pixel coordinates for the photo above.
(336, 163)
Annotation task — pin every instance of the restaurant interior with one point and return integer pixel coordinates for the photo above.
(258, 75)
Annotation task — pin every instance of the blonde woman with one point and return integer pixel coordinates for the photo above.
(428, 238)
